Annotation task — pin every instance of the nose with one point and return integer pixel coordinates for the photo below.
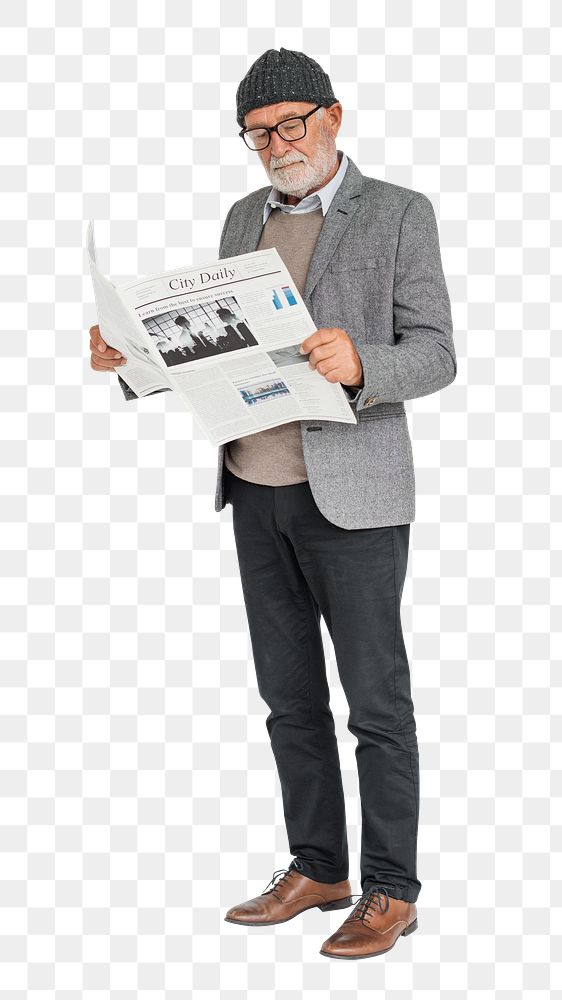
(278, 145)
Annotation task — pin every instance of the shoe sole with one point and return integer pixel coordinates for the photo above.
(372, 954)
(335, 904)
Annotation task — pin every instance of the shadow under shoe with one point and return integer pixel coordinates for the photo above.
(290, 895)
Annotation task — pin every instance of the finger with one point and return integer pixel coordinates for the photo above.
(111, 353)
(97, 338)
(104, 362)
(332, 372)
(323, 353)
(312, 341)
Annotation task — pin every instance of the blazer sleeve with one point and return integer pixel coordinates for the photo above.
(127, 391)
(422, 359)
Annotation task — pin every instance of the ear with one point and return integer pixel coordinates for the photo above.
(335, 113)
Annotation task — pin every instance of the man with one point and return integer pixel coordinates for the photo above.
(322, 510)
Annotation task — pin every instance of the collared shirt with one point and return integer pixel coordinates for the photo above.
(319, 199)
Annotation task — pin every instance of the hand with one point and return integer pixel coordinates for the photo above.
(333, 354)
(104, 358)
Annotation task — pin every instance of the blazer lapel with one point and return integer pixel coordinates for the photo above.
(340, 213)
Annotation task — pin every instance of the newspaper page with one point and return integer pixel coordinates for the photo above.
(225, 336)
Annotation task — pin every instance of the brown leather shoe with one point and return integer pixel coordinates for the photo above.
(373, 926)
(292, 894)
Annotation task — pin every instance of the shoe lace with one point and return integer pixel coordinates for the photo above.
(368, 901)
(285, 873)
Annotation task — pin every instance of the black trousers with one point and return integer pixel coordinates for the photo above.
(295, 566)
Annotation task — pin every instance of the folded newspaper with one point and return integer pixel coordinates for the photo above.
(225, 336)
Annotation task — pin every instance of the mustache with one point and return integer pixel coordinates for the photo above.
(285, 163)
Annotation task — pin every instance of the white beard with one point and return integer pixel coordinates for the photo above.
(309, 173)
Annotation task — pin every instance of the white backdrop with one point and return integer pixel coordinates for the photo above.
(138, 788)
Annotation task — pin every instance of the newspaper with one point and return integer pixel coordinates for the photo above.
(225, 336)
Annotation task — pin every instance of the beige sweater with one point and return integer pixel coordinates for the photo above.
(274, 457)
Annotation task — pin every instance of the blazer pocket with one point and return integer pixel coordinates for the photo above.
(353, 264)
(382, 411)
(378, 416)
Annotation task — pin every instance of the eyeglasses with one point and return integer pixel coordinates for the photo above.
(289, 129)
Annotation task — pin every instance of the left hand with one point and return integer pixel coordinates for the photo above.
(333, 354)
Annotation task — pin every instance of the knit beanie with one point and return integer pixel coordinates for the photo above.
(283, 75)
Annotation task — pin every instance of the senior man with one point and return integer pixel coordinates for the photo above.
(322, 510)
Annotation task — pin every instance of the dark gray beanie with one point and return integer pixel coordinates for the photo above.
(282, 76)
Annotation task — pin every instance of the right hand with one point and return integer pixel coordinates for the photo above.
(104, 358)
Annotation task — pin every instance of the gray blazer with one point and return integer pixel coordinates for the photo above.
(376, 272)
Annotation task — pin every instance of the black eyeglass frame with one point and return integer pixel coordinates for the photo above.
(275, 128)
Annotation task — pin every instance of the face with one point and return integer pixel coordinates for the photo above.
(299, 167)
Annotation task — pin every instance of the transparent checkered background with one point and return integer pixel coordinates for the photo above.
(138, 789)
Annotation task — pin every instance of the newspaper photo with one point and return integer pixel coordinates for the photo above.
(225, 336)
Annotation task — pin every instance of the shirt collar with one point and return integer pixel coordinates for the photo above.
(319, 199)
